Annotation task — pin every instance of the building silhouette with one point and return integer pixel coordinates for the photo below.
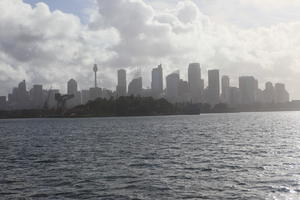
(37, 96)
(85, 96)
(213, 89)
(3, 103)
(225, 96)
(234, 97)
(177, 90)
(157, 81)
(95, 69)
(281, 95)
(52, 104)
(183, 91)
(172, 86)
(122, 83)
(195, 83)
(248, 88)
(72, 89)
(135, 87)
(269, 93)
(95, 93)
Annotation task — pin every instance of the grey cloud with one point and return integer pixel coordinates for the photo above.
(51, 47)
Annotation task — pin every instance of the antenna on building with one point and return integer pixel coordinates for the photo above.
(95, 69)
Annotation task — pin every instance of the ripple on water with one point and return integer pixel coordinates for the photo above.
(221, 156)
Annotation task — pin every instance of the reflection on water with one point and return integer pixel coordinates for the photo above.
(221, 156)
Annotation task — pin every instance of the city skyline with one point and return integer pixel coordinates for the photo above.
(149, 99)
(175, 90)
(171, 32)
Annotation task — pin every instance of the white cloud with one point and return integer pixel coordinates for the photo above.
(44, 46)
(48, 47)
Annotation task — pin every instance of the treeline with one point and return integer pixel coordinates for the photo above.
(126, 106)
(123, 106)
(141, 106)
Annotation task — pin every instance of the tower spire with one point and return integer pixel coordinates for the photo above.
(95, 69)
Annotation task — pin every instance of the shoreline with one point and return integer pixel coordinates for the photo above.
(127, 116)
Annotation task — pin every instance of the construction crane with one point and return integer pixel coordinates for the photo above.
(62, 100)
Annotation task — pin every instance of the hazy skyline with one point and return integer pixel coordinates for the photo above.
(239, 37)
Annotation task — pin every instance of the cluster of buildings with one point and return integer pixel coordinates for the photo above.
(177, 90)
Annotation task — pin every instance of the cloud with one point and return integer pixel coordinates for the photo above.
(47, 47)
(51, 47)
(182, 34)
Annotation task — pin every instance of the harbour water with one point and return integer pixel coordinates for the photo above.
(216, 156)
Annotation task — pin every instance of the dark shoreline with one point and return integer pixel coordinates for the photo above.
(131, 106)
(125, 116)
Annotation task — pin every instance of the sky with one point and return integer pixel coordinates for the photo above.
(51, 41)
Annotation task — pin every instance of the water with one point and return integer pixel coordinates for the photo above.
(219, 156)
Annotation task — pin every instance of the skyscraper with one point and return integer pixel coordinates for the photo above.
(195, 83)
(269, 93)
(157, 81)
(213, 90)
(122, 83)
(225, 89)
(95, 93)
(107, 94)
(72, 86)
(3, 103)
(183, 91)
(21, 96)
(51, 98)
(85, 96)
(281, 95)
(172, 81)
(234, 97)
(73, 90)
(248, 89)
(135, 87)
(36, 94)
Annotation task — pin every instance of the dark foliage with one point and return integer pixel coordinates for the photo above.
(125, 106)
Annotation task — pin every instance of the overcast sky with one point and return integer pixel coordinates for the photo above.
(55, 40)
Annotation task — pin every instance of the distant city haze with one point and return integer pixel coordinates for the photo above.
(49, 43)
(176, 90)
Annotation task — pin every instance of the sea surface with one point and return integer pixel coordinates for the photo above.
(217, 156)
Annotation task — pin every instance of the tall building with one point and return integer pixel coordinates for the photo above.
(269, 93)
(172, 87)
(196, 85)
(248, 88)
(3, 103)
(259, 96)
(135, 87)
(72, 86)
(73, 90)
(225, 89)
(213, 90)
(37, 96)
(281, 95)
(95, 93)
(107, 94)
(157, 81)
(234, 97)
(52, 103)
(19, 98)
(85, 96)
(122, 83)
(183, 91)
